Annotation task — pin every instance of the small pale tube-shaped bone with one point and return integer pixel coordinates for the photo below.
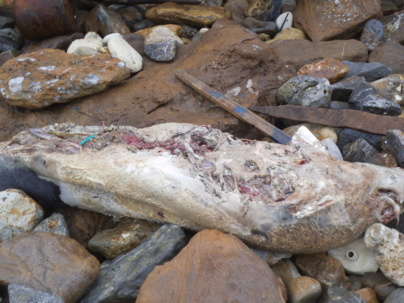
(122, 50)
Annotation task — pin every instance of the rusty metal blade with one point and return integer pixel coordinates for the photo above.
(234, 108)
(355, 119)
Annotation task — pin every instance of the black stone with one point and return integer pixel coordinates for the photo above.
(10, 39)
(343, 89)
(358, 151)
(146, 23)
(161, 51)
(394, 144)
(6, 21)
(347, 136)
(370, 71)
(365, 98)
(120, 279)
(15, 176)
(188, 31)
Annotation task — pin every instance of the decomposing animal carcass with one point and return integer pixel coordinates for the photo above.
(285, 198)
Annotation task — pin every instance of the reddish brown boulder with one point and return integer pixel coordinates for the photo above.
(228, 58)
(48, 262)
(297, 53)
(328, 19)
(390, 54)
(330, 68)
(213, 267)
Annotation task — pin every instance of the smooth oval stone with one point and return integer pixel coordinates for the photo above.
(330, 68)
(18, 213)
(48, 262)
(372, 34)
(304, 289)
(122, 50)
(305, 91)
(284, 21)
(396, 296)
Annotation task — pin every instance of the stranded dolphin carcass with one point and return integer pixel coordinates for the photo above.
(285, 198)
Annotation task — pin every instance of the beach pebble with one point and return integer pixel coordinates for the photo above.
(18, 213)
(394, 144)
(105, 21)
(370, 71)
(372, 34)
(305, 91)
(284, 21)
(391, 87)
(20, 293)
(396, 296)
(330, 68)
(56, 223)
(122, 50)
(358, 151)
(304, 289)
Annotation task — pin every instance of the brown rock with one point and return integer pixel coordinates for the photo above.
(104, 21)
(328, 19)
(227, 58)
(237, 9)
(300, 52)
(59, 42)
(330, 68)
(194, 15)
(83, 224)
(119, 240)
(328, 271)
(368, 295)
(48, 262)
(394, 27)
(390, 54)
(39, 79)
(304, 289)
(392, 87)
(213, 267)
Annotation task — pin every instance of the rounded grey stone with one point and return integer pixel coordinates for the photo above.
(306, 91)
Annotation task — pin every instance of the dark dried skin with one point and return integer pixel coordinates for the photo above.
(290, 199)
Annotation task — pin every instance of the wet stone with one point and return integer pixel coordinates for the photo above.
(348, 135)
(48, 262)
(370, 71)
(20, 293)
(121, 239)
(392, 87)
(56, 223)
(105, 21)
(18, 213)
(394, 144)
(366, 99)
(134, 266)
(330, 68)
(131, 15)
(342, 90)
(264, 10)
(372, 34)
(305, 91)
(337, 294)
(359, 151)
(396, 296)
(388, 244)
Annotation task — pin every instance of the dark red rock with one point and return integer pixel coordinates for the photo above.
(391, 54)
